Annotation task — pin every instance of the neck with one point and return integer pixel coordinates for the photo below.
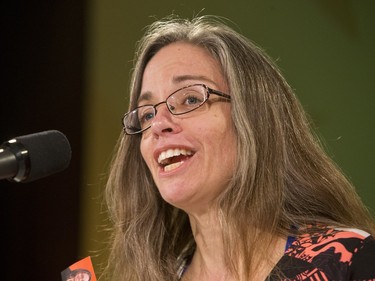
(209, 263)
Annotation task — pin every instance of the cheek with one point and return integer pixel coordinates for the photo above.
(221, 129)
(145, 152)
(219, 123)
(219, 140)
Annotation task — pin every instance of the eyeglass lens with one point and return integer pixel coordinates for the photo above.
(180, 102)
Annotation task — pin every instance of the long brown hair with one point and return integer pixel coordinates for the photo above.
(283, 177)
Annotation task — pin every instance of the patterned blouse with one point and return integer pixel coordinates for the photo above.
(328, 254)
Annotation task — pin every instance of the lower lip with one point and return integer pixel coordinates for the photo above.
(172, 167)
(176, 167)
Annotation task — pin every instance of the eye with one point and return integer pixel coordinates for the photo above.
(186, 99)
(193, 99)
(145, 114)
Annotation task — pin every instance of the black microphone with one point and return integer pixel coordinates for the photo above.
(31, 157)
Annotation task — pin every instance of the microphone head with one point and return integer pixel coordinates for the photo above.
(49, 152)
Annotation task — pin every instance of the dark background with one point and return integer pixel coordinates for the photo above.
(41, 60)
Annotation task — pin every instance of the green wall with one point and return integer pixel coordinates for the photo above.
(324, 48)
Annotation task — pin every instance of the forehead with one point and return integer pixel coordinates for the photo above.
(185, 53)
(180, 63)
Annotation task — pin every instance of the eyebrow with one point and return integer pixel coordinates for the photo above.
(146, 96)
(183, 78)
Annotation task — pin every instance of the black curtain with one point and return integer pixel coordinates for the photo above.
(41, 86)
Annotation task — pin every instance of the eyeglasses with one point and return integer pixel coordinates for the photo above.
(182, 101)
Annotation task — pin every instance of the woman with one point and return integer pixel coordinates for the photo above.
(218, 175)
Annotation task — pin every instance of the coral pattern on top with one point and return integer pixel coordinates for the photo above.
(329, 254)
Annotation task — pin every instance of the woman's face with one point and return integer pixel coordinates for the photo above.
(203, 141)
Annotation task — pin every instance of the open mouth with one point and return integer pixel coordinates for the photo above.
(173, 158)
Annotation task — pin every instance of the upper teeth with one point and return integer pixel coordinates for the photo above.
(172, 152)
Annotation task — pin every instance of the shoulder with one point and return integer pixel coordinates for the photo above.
(319, 237)
(342, 243)
(333, 253)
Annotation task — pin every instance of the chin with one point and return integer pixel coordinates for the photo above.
(176, 198)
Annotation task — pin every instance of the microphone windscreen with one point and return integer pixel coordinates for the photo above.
(49, 153)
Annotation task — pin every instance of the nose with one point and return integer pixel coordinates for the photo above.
(164, 121)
